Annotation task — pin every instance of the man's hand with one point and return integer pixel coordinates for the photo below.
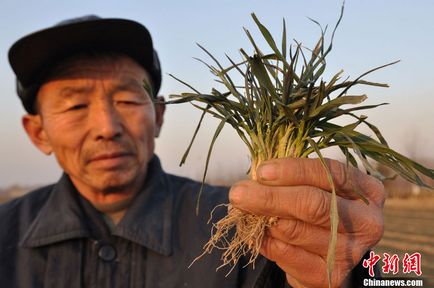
(298, 193)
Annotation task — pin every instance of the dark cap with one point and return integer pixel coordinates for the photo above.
(33, 56)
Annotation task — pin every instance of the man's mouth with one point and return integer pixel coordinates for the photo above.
(110, 160)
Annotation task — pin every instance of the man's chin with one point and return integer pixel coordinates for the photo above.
(116, 184)
(120, 181)
(114, 187)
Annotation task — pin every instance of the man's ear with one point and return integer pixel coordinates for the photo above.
(160, 107)
(35, 130)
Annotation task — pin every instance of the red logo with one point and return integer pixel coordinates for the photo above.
(391, 263)
(370, 263)
(411, 263)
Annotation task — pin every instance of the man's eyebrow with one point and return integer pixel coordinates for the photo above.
(130, 85)
(69, 91)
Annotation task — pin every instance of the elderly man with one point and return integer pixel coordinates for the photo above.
(116, 219)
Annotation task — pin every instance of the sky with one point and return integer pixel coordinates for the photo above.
(372, 33)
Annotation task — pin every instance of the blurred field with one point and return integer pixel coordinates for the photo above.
(409, 228)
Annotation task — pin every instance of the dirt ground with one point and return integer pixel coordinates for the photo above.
(409, 228)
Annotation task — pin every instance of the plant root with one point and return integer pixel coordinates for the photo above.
(247, 239)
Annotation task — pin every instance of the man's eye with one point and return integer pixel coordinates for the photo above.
(128, 102)
(77, 107)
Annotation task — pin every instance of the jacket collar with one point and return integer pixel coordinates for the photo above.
(147, 222)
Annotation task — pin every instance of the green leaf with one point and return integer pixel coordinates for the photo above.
(269, 39)
(364, 74)
(334, 216)
(214, 138)
(339, 112)
(329, 106)
(184, 157)
(261, 74)
(284, 40)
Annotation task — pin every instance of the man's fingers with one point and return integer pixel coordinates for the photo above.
(299, 233)
(302, 202)
(306, 203)
(303, 268)
(314, 239)
(296, 262)
(304, 171)
(293, 282)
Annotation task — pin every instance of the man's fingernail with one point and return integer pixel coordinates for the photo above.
(267, 172)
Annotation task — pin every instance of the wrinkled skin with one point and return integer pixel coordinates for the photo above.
(298, 193)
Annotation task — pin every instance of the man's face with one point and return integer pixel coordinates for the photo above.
(100, 123)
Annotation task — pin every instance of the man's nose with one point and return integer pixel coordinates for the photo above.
(107, 123)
